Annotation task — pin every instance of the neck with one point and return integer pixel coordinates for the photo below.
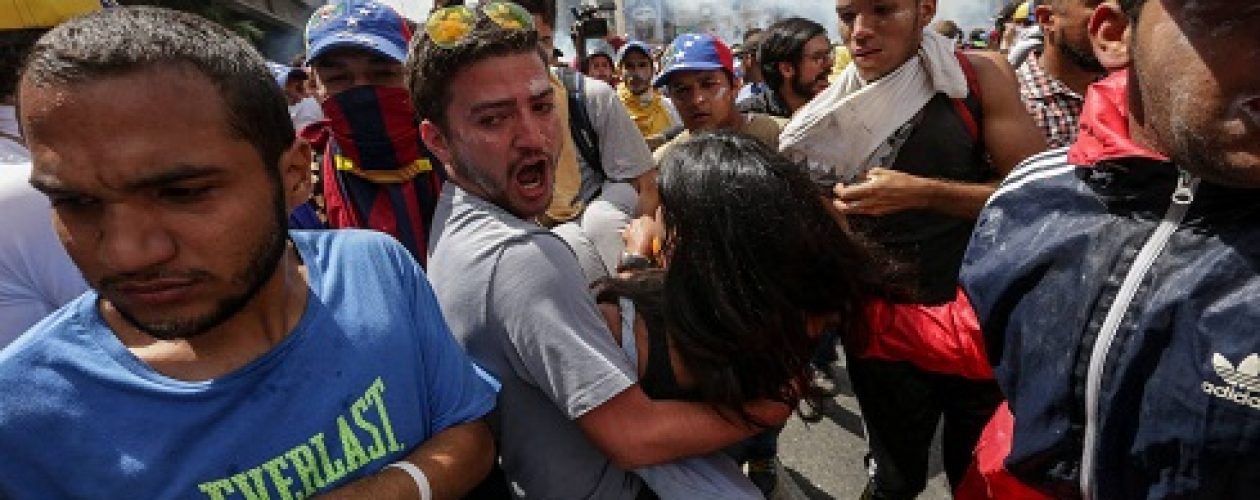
(1058, 66)
(735, 123)
(791, 100)
(268, 318)
(868, 78)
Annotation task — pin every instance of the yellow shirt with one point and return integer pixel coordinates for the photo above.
(651, 118)
(843, 58)
(568, 180)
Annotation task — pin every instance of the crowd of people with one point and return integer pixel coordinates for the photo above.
(427, 260)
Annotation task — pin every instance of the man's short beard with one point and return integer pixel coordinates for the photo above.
(805, 89)
(493, 192)
(266, 259)
(1084, 59)
(1202, 154)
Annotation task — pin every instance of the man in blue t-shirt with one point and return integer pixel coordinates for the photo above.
(217, 356)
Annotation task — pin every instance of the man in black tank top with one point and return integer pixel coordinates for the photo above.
(921, 209)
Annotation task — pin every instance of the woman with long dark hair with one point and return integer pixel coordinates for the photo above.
(757, 265)
(724, 295)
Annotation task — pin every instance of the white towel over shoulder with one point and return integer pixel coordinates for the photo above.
(844, 125)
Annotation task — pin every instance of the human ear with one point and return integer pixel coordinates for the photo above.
(437, 142)
(1045, 16)
(295, 173)
(1109, 36)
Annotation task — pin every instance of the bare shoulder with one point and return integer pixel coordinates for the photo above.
(990, 66)
(999, 87)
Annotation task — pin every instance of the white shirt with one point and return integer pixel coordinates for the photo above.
(36, 275)
(305, 112)
(11, 148)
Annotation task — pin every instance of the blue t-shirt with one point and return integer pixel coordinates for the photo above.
(369, 373)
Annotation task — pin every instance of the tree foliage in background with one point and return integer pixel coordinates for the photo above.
(213, 11)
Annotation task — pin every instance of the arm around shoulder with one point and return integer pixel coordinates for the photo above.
(635, 431)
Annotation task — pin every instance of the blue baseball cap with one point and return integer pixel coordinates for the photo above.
(695, 52)
(361, 24)
(644, 48)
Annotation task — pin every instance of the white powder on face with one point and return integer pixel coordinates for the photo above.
(538, 86)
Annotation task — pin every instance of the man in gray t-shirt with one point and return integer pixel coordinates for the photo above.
(571, 420)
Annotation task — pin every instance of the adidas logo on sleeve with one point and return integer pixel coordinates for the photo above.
(1242, 382)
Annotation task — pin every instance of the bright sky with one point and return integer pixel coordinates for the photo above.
(415, 10)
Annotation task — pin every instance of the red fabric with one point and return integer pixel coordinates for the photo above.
(987, 477)
(943, 339)
(947, 339)
(973, 86)
(1104, 133)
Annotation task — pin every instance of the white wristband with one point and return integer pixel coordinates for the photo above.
(417, 475)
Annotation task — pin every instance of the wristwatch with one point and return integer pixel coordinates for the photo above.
(633, 262)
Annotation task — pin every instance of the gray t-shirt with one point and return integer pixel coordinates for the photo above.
(516, 299)
(623, 151)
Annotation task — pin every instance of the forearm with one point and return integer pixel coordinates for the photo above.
(454, 461)
(964, 200)
(649, 196)
(634, 431)
(678, 430)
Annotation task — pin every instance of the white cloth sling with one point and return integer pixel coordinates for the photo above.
(840, 131)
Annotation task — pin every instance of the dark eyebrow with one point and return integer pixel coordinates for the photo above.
(178, 173)
(490, 105)
(51, 186)
(546, 93)
(507, 103)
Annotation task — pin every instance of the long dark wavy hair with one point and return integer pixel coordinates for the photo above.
(752, 248)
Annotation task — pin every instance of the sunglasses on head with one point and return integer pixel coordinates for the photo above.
(450, 25)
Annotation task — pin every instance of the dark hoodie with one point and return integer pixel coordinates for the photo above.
(1117, 295)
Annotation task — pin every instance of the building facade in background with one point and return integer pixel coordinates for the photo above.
(274, 26)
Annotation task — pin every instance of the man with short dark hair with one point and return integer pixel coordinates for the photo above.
(600, 66)
(571, 421)
(698, 74)
(1123, 327)
(218, 355)
(303, 108)
(915, 136)
(795, 58)
(374, 170)
(1052, 86)
(750, 69)
(651, 111)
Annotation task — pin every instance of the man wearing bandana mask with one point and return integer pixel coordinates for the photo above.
(652, 112)
(375, 171)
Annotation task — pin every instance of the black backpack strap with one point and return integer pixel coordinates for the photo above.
(584, 135)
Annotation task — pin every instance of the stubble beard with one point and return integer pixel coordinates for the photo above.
(266, 259)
